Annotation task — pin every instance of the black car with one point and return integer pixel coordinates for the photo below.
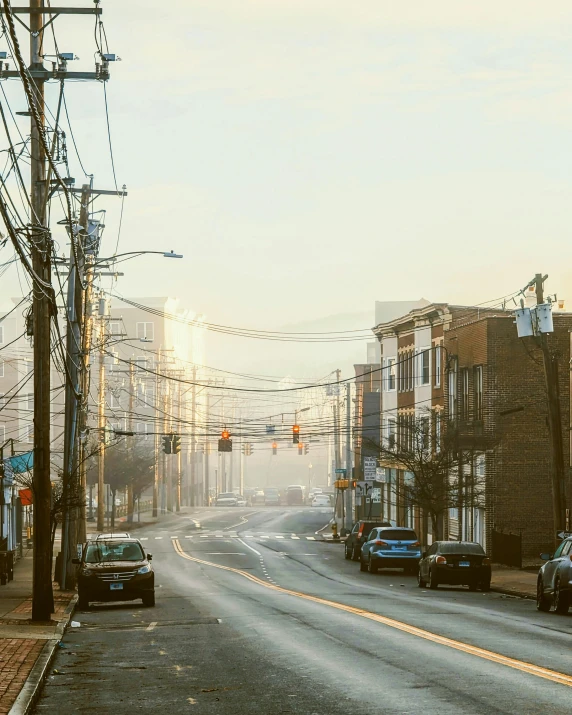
(461, 563)
(554, 585)
(115, 570)
(358, 536)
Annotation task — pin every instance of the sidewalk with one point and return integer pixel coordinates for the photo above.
(514, 582)
(26, 648)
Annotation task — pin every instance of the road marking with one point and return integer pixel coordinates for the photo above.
(278, 536)
(295, 537)
(174, 537)
(204, 536)
(144, 538)
(310, 538)
(225, 553)
(248, 546)
(521, 665)
(151, 626)
(189, 536)
(158, 537)
(244, 520)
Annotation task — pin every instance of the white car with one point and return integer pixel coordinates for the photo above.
(321, 500)
(240, 500)
(226, 499)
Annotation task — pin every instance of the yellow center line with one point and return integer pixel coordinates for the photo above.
(521, 665)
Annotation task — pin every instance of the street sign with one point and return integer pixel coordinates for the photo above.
(369, 469)
(270, 429)
(376, 495)
(340, 471)
(380, 475)
(563, 534)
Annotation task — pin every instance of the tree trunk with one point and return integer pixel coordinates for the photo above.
(435, 526)
(113, 493)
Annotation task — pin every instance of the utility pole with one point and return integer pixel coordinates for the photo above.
(349, 491)
(157, 440)
(179, 454)
(554, 421)
(192, 495)
(101, 432)
(167, 461)
(130, 446)
(207, 446)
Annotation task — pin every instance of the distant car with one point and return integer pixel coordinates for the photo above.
(240, 500)
(462, 563)
(115, 570)
(295, 495)
(114, 535)
(554, 585)
(358, 536)
(257, 497)
(271, 497)
(226, 499)
(390, 547)
(321, 500)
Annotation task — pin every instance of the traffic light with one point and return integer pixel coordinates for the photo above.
(300, 449)
(167, 444)
(353, 483)
(306, 448)
(295, 434)
(225, 442)
(274, 448)
(176, 442)
(249, 445)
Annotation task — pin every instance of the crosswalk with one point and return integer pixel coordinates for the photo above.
(230, 535)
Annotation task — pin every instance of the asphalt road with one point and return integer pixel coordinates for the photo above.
(255, 614)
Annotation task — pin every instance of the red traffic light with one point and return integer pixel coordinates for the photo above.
(225, 434)
(296, 429)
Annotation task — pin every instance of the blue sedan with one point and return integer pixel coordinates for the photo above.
(395, 547)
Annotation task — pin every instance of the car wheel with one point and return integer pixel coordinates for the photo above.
(485, 585)
(420, 582)
(371, 565)
(362, 565)
(473, 586)
(82, 602)
(355, 554)
(348, 552)
(433, 581)
(149, 598)
(561, 600)
(542, 602)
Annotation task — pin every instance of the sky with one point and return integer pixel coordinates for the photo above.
(311, 157)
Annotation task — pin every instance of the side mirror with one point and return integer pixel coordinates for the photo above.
(424, 555)
(149, 557)
(76, 561)
(546, 557)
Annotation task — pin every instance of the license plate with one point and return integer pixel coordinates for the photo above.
(400, 548)
(464, 563)
(116, 586)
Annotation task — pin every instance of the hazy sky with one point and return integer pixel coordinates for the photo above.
(312, 156)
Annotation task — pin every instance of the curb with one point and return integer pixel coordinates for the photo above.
(29, 694)
(512, 592)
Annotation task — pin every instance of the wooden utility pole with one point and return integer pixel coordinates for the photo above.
(130, 446)
(167, 460)
(554, 422)
(192, 492)
(179, 454)
(206, 479)
(101, 433)
(157, 440)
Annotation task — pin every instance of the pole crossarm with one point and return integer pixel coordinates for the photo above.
(47, 75)
(27, 10)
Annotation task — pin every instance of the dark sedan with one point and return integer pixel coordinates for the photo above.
(358, 536)
(554, 585)
(460, 563)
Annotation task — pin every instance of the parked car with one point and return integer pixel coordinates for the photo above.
(390, 547)
(114, 535)
(554, 585)
(271, 496)
(462, 563)
(115, 570)
(295, 495)
(226, 499)
(358, 536)
(321, 500)
(240, 500)
(257, 497)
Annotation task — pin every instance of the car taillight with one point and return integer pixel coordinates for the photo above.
(486, 561)
(360, 533)
(380, 543)
(417, 543)
(440, 560)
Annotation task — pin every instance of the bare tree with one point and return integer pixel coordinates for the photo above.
(439, 473)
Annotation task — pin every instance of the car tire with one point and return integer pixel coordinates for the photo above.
(560, 599)
(356, 553)
(542, 602)
(420, 582)
(362, 565)
(347, 553)
(473, 586)
(433, 580)
(371, 566)
(485, 586)
(149, 599)
(82, 602)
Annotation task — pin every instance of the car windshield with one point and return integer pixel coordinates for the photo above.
(227, 495)
(115, 550)
(398, 535)
(461, 547)
(369, 525)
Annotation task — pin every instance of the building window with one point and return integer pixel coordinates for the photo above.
(29, 366)
(424, 433)
(478, 391)
(144, 429)
(114, 401)
(438, 366)
(114, 328)
(391, 432)
(146, 331)
(464, 394)
(29, 401)
(112, 359)
(437, 431)
(142, 363)
(390, 376)
(28, 433)
(424, 371)
(452, 391)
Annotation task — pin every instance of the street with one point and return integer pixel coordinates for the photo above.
(256, 614)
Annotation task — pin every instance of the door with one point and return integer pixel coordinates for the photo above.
(553, 566)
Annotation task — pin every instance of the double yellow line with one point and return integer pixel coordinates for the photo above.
(524, 667)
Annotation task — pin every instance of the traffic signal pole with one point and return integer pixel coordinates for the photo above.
(348, 494)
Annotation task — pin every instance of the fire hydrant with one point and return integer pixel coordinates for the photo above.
(335, 534)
